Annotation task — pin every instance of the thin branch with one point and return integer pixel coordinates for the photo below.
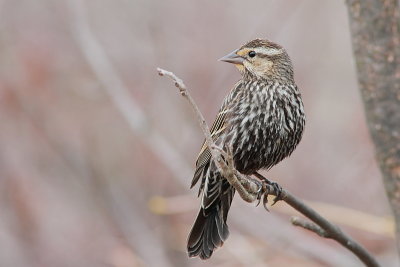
(227, 170)
(296, 221)
(333, 231)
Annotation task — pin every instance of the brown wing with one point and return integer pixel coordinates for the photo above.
(205, 155)
(217, 128)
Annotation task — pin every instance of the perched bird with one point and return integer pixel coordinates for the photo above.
(261, 120)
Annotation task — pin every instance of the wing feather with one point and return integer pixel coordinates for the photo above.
(217, 129)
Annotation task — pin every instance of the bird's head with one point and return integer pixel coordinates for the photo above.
(262, 59)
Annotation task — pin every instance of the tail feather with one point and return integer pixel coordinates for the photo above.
(210, 229)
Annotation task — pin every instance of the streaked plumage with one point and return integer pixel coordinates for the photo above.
(262, 119)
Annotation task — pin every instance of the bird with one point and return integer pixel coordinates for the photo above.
(262, 120)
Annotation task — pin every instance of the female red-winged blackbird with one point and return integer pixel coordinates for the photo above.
(261, 120)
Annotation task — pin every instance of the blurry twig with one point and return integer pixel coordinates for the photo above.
(147, 243)
(357, 219)
(322, 226)
(383, 226)
(119, 94)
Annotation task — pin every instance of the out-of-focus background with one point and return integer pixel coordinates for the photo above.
(97, 151)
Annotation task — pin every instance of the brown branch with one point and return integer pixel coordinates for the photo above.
(322, 226)
(296, 221)
(331, 231)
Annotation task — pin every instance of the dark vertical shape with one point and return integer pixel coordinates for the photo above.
(374, 26)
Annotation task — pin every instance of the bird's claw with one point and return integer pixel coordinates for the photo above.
(265, 191)
(278, 190)
(265, 202)
(261, 191)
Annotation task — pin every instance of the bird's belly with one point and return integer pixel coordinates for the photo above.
(262, 142)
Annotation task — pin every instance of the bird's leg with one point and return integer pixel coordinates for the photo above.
(276, 187)
(248, 188)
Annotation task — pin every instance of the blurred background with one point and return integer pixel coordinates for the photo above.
(97, 151)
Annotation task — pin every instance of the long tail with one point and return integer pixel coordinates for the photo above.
(210, 229)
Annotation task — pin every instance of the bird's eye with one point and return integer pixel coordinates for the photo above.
(252, 54)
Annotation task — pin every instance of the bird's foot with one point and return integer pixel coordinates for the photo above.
(266, 190)
(277, 189)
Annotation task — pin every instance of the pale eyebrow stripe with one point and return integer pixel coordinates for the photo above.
(268, 51)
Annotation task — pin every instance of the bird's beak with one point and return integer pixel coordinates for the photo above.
(233, 58)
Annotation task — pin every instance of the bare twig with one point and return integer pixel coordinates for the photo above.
(309, 226)
(136, 118)
(140, 237)
(332, 231)
(322, 226)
